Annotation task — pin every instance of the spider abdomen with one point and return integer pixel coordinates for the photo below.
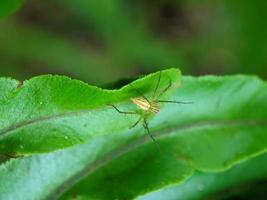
(144, 104)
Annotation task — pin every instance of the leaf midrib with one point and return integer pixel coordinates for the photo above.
(10, 129)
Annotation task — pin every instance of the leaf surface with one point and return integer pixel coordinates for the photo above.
(201, 185)
(226, 124)
(50, 112)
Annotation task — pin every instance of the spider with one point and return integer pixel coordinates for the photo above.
(148, 106)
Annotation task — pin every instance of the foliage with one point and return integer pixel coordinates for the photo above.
(9, 6)
(74, 143)
(98, 42)
(61, 138)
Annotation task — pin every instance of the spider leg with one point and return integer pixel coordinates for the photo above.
(178, 102)
(165, 89)
(139, 93)
(170, 101)
(145, 125)
(124, 112)
(137, 122)
(156, 88)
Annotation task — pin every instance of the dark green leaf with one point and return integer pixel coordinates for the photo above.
(204, 184)
(9, 6)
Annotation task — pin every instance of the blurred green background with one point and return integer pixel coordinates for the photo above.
(100, 41)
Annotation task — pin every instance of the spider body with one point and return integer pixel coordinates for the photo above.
(146, 105)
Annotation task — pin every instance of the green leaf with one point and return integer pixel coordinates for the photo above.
(226, 124)
(53, 112)
(202, 185)
(7, 86)
(7, 7)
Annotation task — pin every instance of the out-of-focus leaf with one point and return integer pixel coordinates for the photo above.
(225, 125)
(9, 6)
(128, 39)
(53, 52)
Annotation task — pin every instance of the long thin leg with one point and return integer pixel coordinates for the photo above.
(166, 89)
(167, 101)
(140, 93)
(137, 122)
(179, 102)
(145, 125)
(123, 112)
(157, 86)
